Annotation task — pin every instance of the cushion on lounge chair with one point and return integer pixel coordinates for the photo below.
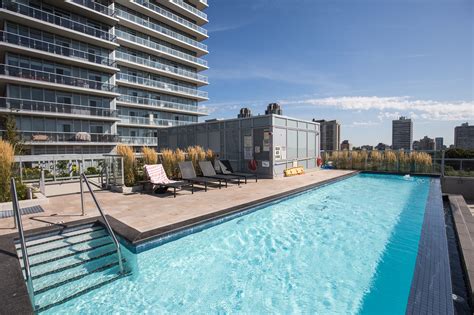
(157, 174)
(207, 168)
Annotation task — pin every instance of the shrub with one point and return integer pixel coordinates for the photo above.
(390, 160)
(128, 163)
(196, 154)
(422, 161)
(179, 156)
(6, 162)
(210, 155)
(376, 159)
(91, 171)
(167, 159)
(149, 156)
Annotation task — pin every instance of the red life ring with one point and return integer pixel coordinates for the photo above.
(319, 161)
(252, 165)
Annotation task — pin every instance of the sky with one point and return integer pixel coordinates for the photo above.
(362, 62)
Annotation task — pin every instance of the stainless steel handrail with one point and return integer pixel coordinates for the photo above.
(107, 225)
(26, 261)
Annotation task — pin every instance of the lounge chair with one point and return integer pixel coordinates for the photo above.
(157, 176)
(189, 174)
(226, 169)
(209, 171)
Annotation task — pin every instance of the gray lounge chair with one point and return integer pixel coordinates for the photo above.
(209, 171)
(189, 174)
(226, 169)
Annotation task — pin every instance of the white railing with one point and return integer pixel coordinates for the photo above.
(160, 103)
(171, 16)
(159, 47)
(160, 85)
(160, 66)
(139, 140)
(135, 120)
(64, 137)
(189, 8)
(161, 29)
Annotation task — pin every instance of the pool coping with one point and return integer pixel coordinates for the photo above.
(431, 288)
(464, 227)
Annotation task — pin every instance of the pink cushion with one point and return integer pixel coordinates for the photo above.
(157, 174)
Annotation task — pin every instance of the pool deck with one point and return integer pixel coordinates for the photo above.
(147, 213)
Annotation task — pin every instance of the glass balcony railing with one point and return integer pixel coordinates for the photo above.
(159, 47)
(160, 29)
(31, 74)
(52, 48)
(95, 6)
(15, 104)
(158, 122)
(49, 137)
(171, 16)
(160, 104)
(160, 66)
(190, 8)
(139, 140)
(55, 19)
(160, 85)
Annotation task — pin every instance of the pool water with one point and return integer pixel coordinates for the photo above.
(345, 248)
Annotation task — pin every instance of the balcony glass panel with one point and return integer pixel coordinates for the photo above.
(160, 29)
(69, 137)
(139, 140)
(95, 6)
(152, 122)
(159, 103)
(158, 65)
(14, 104)
(190, 8)
(159, 47)
(29, 42)
(30, 74)
(160, 85)
(57, 20)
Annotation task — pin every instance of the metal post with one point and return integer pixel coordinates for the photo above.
(442, 163)
(42, 184)
(82, 190)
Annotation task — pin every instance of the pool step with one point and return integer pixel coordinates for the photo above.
(70, 263)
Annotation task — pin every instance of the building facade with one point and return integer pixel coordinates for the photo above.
(330, 134)
(464, 137)
(439, 143)
(82, 76)
(346, 145)
(402, 134)
(424, 144)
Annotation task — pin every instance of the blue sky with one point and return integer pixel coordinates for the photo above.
(362, 62)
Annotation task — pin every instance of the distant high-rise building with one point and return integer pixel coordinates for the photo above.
(425, 144)
(367, 147)
(464, 137)
(402, 134)
(330, 134)
(439, 143)
(346, 145)
(382, 146)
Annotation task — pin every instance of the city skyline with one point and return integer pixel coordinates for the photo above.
(360, 64)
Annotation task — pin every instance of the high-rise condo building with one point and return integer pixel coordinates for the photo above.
(330, 134)
(439, 143)
(464, 137)
(82, 76)
(402, 134)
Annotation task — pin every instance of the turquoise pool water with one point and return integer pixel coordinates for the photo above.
(346, 248)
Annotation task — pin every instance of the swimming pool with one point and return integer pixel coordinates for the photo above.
(345, 248)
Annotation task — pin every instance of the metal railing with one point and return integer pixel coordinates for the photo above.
(104, 218)
(51, 77)
(95, 6)
(171, 16)
(56, 19)
(160, 66)
(23, 105)
(139, 140)
(190, 8)
(159, 103)
(160, 85)
(32, 43)
(152, 122)
(24, 252)
(160, 29)
(48, 137)
(164, 49)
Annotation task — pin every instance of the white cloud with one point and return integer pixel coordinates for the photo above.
(419, 109)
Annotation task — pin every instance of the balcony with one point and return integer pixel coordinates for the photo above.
(162, 32)
(139, 140)
(54, 21)
(159, 104)
(103, 63)
(190, 11)
(153, 48)
(200, 4)
(32, 107)
(68, 138)
(155, 122)
(167, 16)
(94, 6)
(162, 86)
(43, 78)
(158, 67)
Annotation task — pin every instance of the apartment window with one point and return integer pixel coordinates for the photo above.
(66, 128)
